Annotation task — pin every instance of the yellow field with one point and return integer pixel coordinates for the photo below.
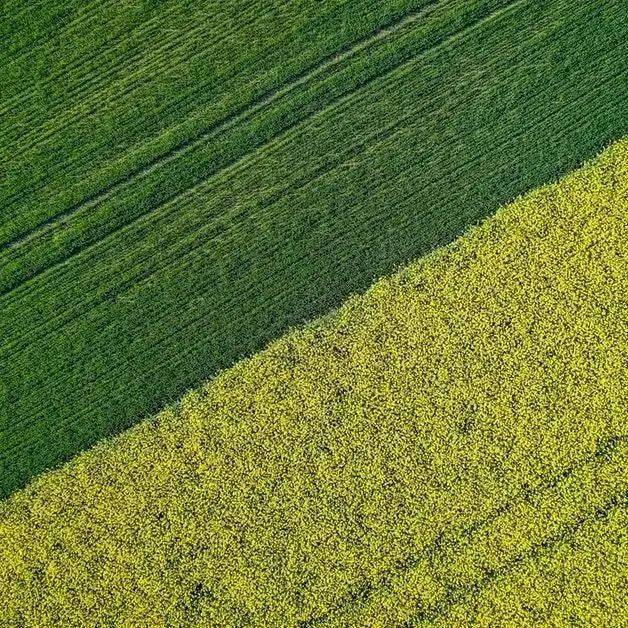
(449, 448)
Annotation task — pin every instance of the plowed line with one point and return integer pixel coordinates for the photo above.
(153, 63)
(367, 226)
(618, 501)
(110, 46)
(404, 567)
(83, 17)
(240, 115)
(269, 99)
(185, 244)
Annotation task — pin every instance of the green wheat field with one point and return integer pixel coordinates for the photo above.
(313, 313)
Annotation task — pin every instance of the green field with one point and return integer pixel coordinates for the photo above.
(448, 449)
(182, 182)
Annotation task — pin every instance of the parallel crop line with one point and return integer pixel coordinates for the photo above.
(273, 96)
(29, 8)
(93, 78)
(178, 208)
(91, 105)
(75, 64)
(130, 87)
(239, 115)
(109, 46)
(319, 172)
(43, 180)
(405, 566)
(366, 144)
(29, 48)
(222, 171)
(133, 284)
(568, 531)
(154, 63)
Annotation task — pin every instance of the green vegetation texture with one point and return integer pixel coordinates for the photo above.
(449, 449)
(182, 182)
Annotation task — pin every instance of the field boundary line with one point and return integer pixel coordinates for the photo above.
(129, 285)
(165, 341)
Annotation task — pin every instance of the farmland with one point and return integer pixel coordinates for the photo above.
(174, 197)
(448, 448)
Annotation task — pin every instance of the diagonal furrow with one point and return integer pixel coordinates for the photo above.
(42, 40)
(601, 513)
(109, 46)
(158, 61)
(185, 247)
(612, 447)
(369, 226)
(192, 125)
(241, 117)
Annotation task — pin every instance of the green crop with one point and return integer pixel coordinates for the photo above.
(449, 448)
(182, 182)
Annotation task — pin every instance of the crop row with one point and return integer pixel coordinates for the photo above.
(143, 110)
(189, 163)
(456, 568)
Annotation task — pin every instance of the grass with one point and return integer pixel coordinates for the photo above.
(159, 225)
(450, 448)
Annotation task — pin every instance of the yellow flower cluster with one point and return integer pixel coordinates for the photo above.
(449, 448)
